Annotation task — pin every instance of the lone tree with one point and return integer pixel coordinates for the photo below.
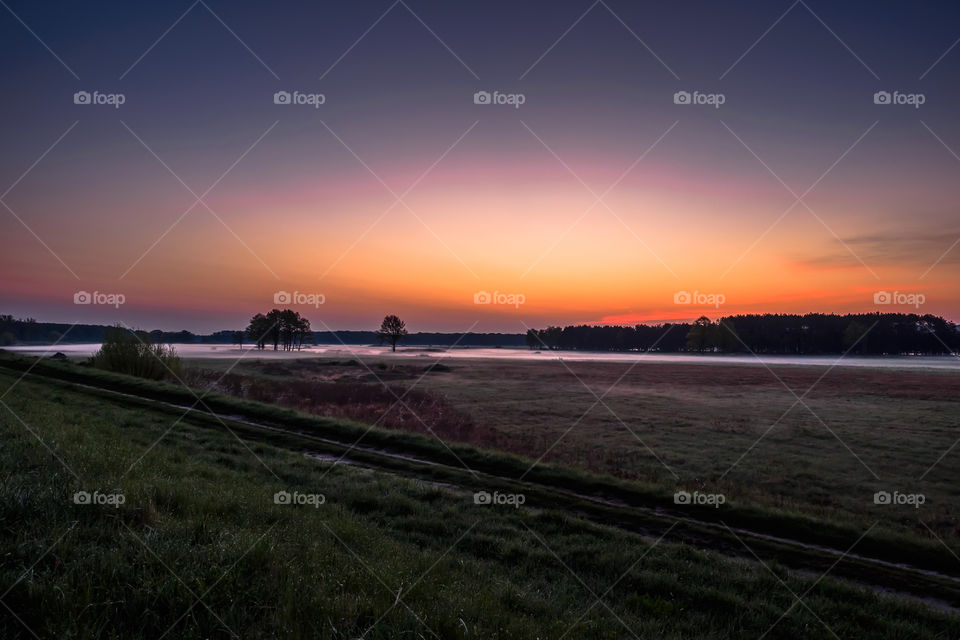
(392, 330)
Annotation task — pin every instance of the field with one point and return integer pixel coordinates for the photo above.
(200, 548)
(802, 439)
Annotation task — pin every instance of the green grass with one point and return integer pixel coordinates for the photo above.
(199, 520)
(884, 542)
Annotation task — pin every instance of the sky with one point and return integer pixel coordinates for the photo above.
(485, 166)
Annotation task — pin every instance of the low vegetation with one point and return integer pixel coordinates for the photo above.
(130, 352)
(198, 546)
(888, 540)
(735, 430)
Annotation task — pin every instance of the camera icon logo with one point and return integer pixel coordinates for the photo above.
(881, 497)
(881, 97)
(282, 497)
(682, 297)
(82, 297)
(81, 97)
(482, 297)
(282, 297)
(882, 297)
(681, 497)
(482, 497)
(81, 497)
(281, 97)
(681, 97)
(482, 97)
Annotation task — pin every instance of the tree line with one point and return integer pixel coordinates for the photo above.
(785, 334)
(30, 331)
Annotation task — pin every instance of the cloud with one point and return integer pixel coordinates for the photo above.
(894, 248)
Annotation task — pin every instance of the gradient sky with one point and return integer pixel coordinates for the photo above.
(694, 198)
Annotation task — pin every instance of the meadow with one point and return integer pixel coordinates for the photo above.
(801, 439)
(199, 547)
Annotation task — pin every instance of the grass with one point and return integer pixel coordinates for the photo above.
(731, 429)
(384, 556)
(884, 542)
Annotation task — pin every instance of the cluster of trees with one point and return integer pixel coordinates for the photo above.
(642, 337)
(286, 328)
(289, 330)
(29, 331)
(865, 333)
(787, 334)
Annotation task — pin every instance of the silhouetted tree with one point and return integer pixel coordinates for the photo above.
(285, 328)
(854, 337)
(702, 335)
(532, 339)
(728, 340)
(392, 330)
(258, 331)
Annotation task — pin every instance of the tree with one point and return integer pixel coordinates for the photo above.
(238, 339)
(258, 331)
(275, 318)
(392, 330)
(727, 339)
(854, 337)
(294, 330)
(532, 339)
(701, 335)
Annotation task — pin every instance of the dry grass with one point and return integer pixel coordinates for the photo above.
(736, 429)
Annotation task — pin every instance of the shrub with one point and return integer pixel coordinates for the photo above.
(124, 351)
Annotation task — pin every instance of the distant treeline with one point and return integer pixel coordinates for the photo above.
(426, 339)
(813, 333)
(29, 331)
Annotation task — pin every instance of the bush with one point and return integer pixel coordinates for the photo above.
(126, 352)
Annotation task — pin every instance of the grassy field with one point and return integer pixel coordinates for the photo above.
(731, 429)
(199, 548)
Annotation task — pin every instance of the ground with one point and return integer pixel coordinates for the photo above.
(201, 548)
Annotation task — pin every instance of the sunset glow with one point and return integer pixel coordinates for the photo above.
(494, 197)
